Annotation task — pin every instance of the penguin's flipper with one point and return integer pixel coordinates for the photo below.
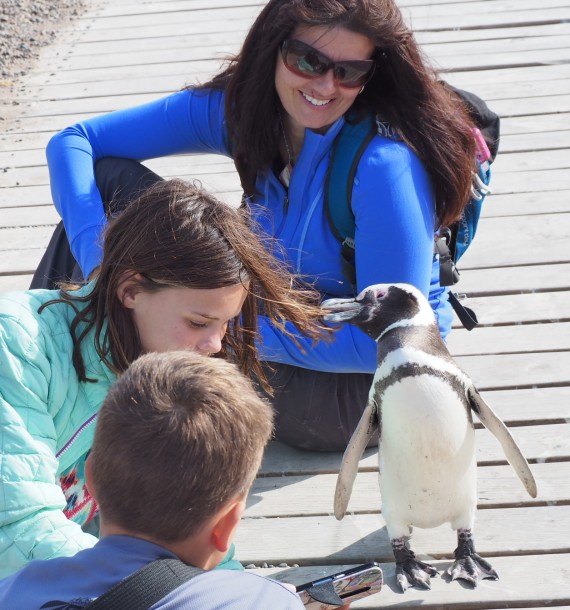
(359, 440)
(493, 423)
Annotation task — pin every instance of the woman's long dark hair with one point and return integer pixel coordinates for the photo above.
(178, 235)
(404, 90)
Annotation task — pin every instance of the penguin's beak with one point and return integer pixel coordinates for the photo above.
(341, 310)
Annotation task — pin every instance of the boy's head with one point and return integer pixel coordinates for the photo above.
(179, 436)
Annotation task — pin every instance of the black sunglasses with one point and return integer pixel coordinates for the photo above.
(304, 60)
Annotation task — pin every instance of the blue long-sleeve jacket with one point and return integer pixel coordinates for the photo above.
(392, 202)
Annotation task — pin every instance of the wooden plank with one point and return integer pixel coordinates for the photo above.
(528, 125)
(203, 44)
(525, 204)
(496, 90)
(23, 170)
(195, 12)
(477, 7)
(84, 39)
(441, 52)
(513, 280)
(231, 19)
(29, 216)
(530, 161)
(529, 30)
(474, 79)
(521, 308)
(510, 339)
(531, 406)
(520, 240)
(21, 238)
(22, 195)
(547, 585)
(544, 443)
(493, 61)
(532, 105)
(11, 283)
(34, 144)
(557, 140)
(362, 538)
(21, 261)
(506, 371)
(498, 487)
(39, 195)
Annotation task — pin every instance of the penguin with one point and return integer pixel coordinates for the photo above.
(421, 403)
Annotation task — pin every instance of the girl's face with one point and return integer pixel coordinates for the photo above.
(316, 103)
(182, 318)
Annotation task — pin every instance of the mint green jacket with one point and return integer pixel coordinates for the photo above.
(47, 421)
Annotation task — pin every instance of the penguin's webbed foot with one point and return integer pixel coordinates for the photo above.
(414, 573)
(473, 569)
(410, 572)
(468, 565)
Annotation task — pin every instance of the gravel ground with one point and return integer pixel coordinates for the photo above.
(28, 25)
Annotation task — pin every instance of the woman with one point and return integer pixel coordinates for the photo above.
(305, 68)
(180, 270)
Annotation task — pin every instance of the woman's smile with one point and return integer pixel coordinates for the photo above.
(317, 102)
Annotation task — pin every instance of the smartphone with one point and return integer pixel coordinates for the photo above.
(350, 585)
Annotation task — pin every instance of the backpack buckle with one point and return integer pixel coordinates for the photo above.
(448, 272)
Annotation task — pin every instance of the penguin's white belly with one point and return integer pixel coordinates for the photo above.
(427, 456)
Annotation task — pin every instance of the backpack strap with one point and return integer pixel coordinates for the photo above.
(141, 590)
(448, 272)
(348, 148)
(466, 315)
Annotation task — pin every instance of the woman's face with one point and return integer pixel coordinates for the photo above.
(316, 103)
(182, 318)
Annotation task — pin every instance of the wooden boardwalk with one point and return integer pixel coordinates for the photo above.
(516, 55)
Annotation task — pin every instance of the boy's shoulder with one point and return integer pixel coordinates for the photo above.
(230, 590)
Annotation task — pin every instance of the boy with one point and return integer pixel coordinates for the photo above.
(178, 443)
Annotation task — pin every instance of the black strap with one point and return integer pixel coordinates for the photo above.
(466, 315)
(145, 587)
(448, 272)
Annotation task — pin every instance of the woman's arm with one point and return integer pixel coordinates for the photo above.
(188, 121)
(394, 210)
(32, 522)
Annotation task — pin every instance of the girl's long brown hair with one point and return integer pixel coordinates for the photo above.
(404, 90)
(178, 235)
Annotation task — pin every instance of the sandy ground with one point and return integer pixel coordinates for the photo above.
(28, 25)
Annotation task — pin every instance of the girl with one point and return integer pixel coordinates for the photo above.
(180, 270)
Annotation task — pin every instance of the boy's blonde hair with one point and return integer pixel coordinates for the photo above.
(178, 436)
